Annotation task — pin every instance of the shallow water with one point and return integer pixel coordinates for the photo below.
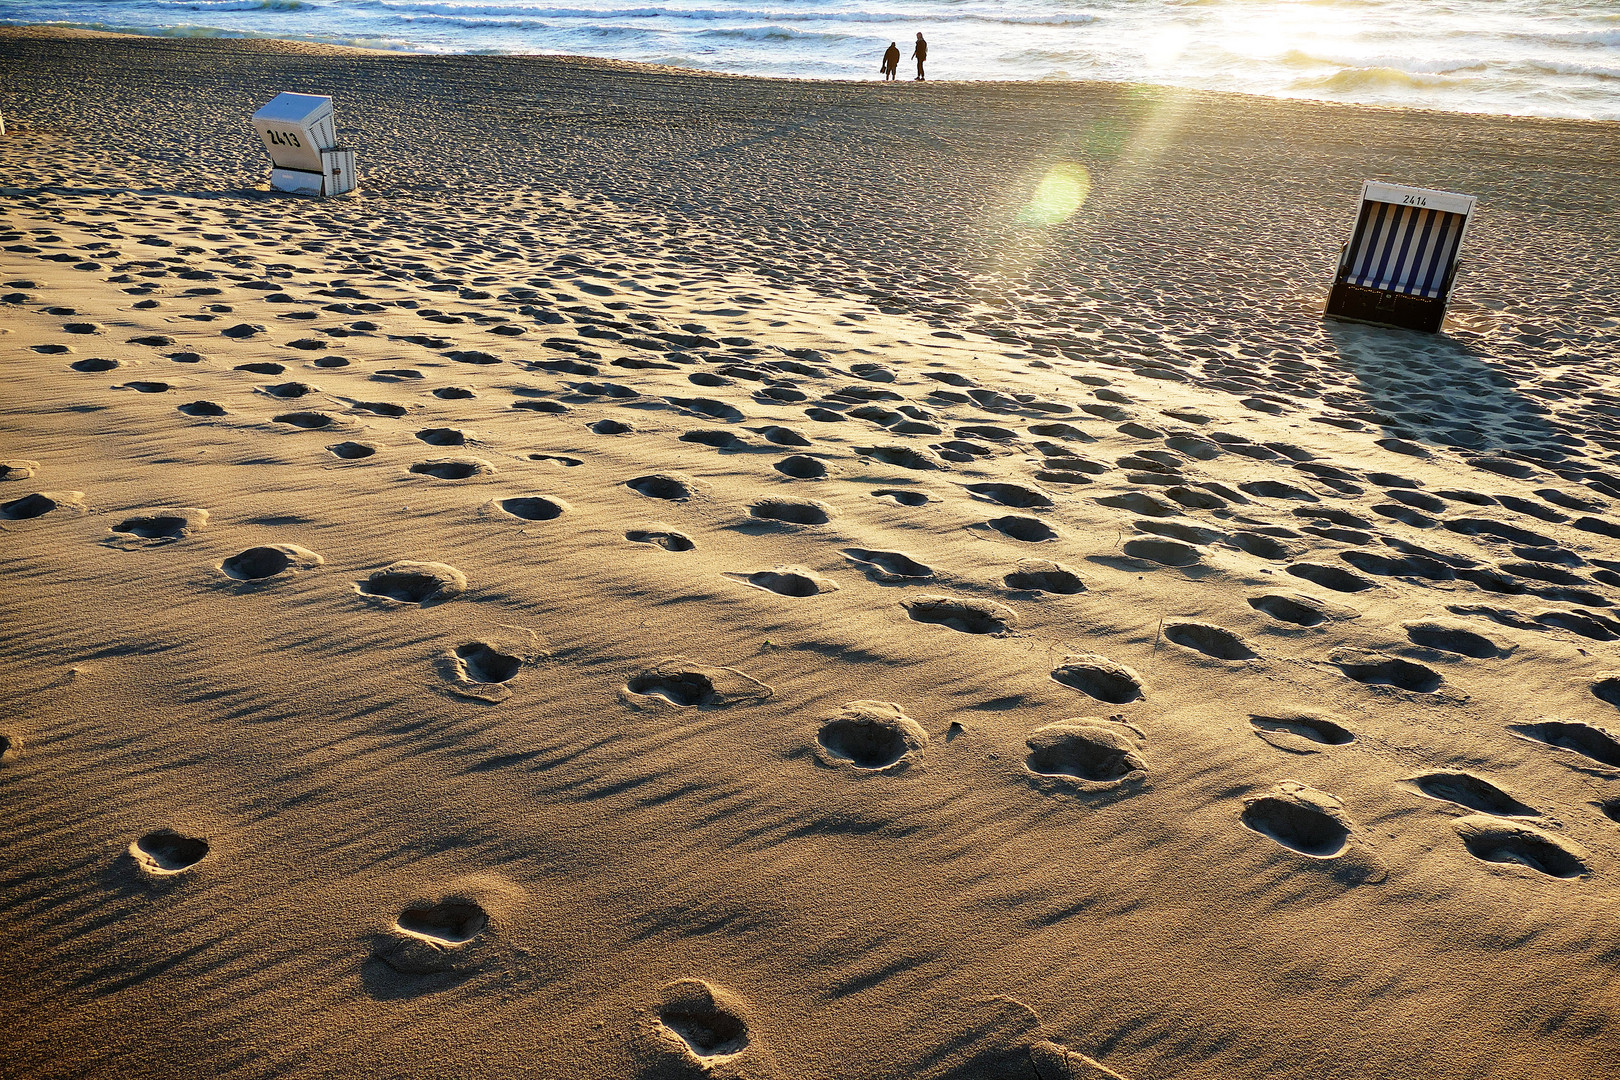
(1533, 57)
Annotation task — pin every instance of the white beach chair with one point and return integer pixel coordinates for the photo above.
(1398, 268)
(300, 133)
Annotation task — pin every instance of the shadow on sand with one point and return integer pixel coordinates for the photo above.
(1434, 390)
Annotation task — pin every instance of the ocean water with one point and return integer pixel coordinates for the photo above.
(1528, 57)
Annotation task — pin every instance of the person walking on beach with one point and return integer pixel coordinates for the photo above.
(920, 51)
(891, 62)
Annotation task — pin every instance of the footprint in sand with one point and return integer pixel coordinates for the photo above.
(1578, 739)
(906, 457)
(1299, 609)
(1375, 669)
(1099, 677)
(1014, 495)
(352, 451)
(1301, 732)
(904, 498)
(1454, 639)
(965, 616)
(668, 539)
(1301, 819)
(164, 853)
(269, 563)
(1470, 792)
(889, 567)
(668, 486)
(453, 468)
(680, 683)
(11, 748)
(40, 503)
(18, 469)
(443, 436)
(481, 670)
(791, 511)
(786, 581)
(1026, 530)
(611, 427)
(1039, 575)
(533, 507)
(720, 440)
(419, 584)
(1084, 754)
(870, 737)
(94, 364)
(202, 408)
(1492, 840)
(1332, 577)
(161, 525)
(801, 467)
(1209, 640)
(290, 390)
(309, 421)
(1163, 552)
(430, 938)
(781, 436)
(702, 1030)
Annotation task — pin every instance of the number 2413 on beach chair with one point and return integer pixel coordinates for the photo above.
(1401, 261)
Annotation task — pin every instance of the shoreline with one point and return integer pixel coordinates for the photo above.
(685, 575)
(62, 31)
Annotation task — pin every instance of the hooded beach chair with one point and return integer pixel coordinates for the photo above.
(1399, 265)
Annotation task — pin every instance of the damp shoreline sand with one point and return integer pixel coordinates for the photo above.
(694, 575)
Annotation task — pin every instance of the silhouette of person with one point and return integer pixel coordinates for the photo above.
(891, 62)
(920, 51)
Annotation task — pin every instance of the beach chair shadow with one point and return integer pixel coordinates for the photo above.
(1439, 391)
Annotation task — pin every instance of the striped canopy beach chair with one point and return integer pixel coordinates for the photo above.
(1399, 265)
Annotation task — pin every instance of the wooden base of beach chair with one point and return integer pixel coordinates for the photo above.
(1353, 303)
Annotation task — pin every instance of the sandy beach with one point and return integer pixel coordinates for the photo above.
(696, 576)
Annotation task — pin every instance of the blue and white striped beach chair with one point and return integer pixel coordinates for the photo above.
(1399, 265)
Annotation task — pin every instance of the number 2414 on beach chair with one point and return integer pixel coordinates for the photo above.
(1401, 261)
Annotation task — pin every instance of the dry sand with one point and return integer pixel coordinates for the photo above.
(858, 619)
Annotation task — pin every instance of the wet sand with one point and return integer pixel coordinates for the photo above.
(698, 576)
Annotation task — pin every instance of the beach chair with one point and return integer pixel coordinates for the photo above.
(1398, 268)
(300, 134)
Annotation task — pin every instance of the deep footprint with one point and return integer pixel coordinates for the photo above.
(684, 688)
(702, 1021)
(165, 852)
(1050, 577)
(668, 539)
(873, 736)
(661, 486)
(533, 508)
(889, 566)
(1099, 677)
(419, 583)
(1590, 742)
(1391, 671)
(966, 616)
(483, 663)
(1472, 792)
(1209, 640)
(1095, 756)
(1299, 819)
(792, 511)
(1492, 840)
